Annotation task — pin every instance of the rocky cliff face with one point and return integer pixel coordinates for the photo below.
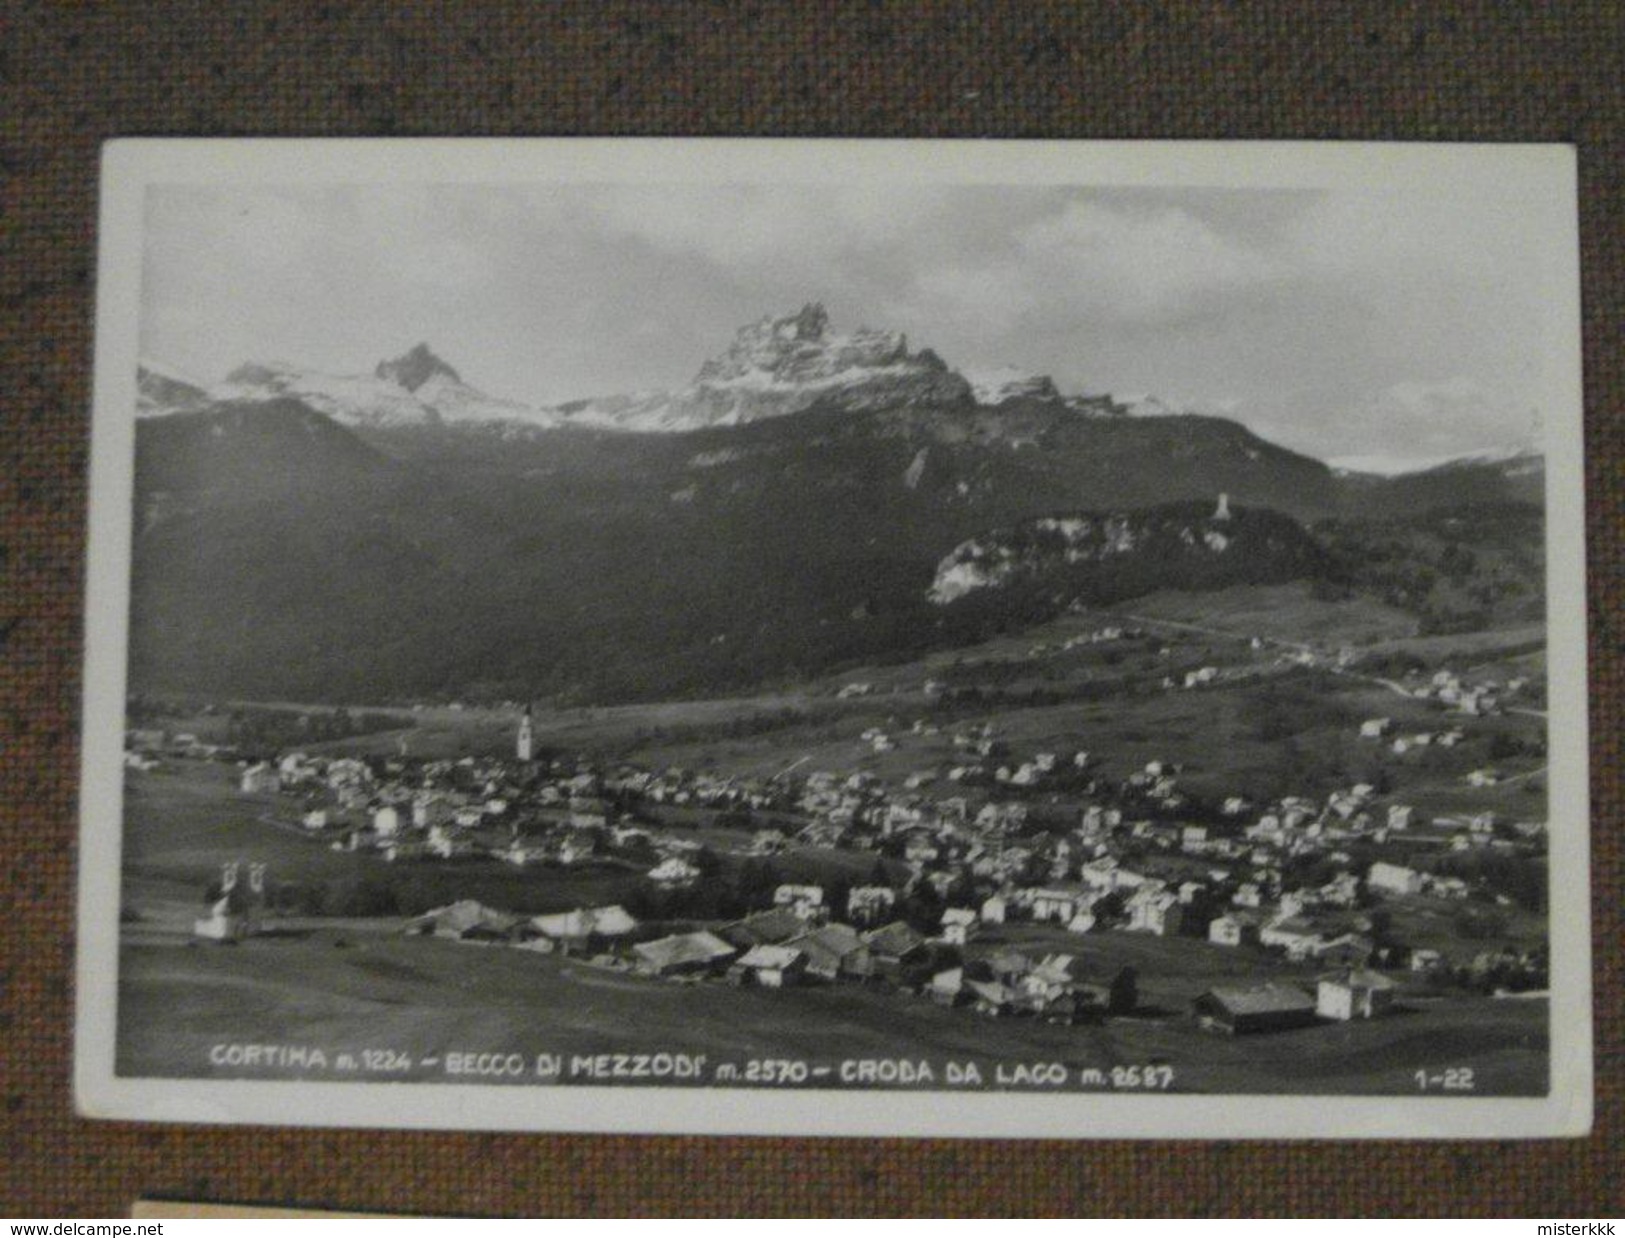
(995, 387)
(778, 366)
(414, 368)
(1104, 555)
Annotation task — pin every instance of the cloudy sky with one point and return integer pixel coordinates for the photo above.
(1339, 324)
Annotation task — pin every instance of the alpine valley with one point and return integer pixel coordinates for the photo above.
(810, 501)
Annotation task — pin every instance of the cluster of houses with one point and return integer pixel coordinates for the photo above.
(1347, 993)
(1477, 699)
(1382, 731)
(1040, 838)
(1100, 636)
(489, 808)
(795, 943)
(1126, 862)
(146, 748)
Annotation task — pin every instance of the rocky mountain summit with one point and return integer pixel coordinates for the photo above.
(415, 368)
(774, 367)
(778, 366)
(994, 387)
(414, 389)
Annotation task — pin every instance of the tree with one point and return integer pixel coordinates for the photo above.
(707, 861)
(755, 880)
(1125, 991)
(923, 908)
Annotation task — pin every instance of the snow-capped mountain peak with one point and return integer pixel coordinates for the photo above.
(351, 399)
(414, 389)
(799, 349)
(1149, 406)
(161, 390)
(1008, 382)
(1512, 458)
(781, 365)
(773, 367)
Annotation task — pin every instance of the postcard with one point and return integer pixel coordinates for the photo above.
(837, 637)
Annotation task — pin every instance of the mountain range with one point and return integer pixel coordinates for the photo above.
(773, 367)
(402, 535)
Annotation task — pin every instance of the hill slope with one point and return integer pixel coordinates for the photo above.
(281, 554)
(401, 535)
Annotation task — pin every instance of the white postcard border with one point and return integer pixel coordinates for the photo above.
(131, 165)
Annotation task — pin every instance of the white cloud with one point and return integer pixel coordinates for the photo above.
(1455, 414)
(1288, 308)
(1097, 265)
(1405, 424)
(1144, 265)
(744, 225)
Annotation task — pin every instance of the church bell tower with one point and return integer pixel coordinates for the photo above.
(526, 745)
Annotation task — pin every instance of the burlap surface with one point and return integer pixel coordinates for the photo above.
(73, 74)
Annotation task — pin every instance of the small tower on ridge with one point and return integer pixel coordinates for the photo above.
(1222, 512)
(524, 749)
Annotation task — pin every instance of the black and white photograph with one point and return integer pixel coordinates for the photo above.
(889, 638)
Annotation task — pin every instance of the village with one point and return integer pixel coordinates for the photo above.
(993, 882)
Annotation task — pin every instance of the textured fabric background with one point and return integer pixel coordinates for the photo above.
(72, 74)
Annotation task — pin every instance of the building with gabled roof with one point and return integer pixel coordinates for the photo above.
(773, 927)
(990, 997)
(465, 920)
(1298, 937)
(674, 871)
(868, 904)
(1154, 910)
(947, 988)
(959, 925)
(1393, 878)
(834, 951)
(682, 954)
(771, 967)
(1353, 993)
(807, 901)
(585, 922)
(1236, 927)
(1236, 1010)
(895, 941)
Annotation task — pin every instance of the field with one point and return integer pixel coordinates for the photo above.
(1266, 728)
(1268, 725)
(1289, 613)
(355, 990)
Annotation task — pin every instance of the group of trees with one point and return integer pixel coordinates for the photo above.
(275, 730)
(1454, 570)
(381, 895)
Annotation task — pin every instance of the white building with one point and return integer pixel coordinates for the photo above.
(1393, 879)
(959, 925)
(1353, 994)
(805, 901)
(674, 872)
(260, 779)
